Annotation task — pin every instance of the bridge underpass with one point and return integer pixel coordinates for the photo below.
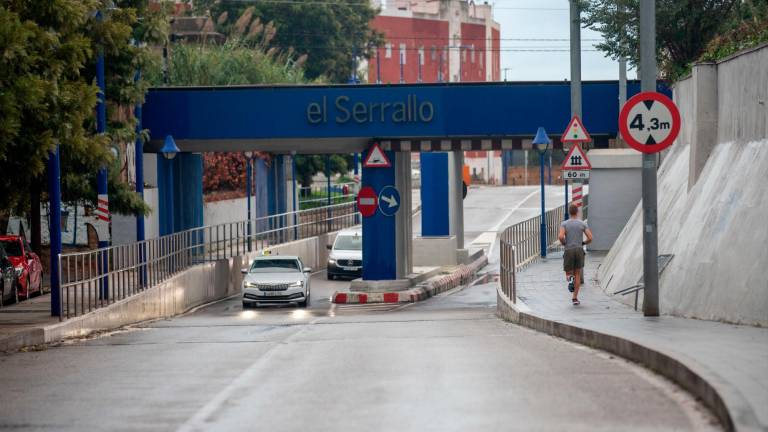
(439, 120)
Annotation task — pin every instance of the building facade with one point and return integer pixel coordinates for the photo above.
(434, 41)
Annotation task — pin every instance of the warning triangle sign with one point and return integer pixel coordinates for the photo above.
(376, 158)
(575, 132)
(576, 160)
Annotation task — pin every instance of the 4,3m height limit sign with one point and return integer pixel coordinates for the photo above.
(649, 122)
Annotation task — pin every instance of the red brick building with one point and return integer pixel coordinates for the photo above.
(436, 41)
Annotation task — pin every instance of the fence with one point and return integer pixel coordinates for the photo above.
(520, 245)
(93, 279)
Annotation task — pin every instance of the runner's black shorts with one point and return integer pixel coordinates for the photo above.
(573, 259)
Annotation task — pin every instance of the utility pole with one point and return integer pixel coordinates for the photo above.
(650, 234)
(622, 87)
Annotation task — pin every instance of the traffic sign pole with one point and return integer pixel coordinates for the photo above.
(650, 235)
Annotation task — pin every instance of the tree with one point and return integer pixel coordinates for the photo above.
(683, 29)
(328, 32)
(309, 165)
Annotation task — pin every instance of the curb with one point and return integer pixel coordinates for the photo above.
(24, 338)
(725, 402)
(463, 275)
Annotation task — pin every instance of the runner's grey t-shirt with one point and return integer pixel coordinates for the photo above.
(574, 232)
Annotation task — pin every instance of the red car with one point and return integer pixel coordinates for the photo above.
(26, 264)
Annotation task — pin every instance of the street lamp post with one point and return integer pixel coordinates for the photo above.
(542, 142)
(248, 188)
(169, 152)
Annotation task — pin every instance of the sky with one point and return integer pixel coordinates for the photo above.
(546, 19)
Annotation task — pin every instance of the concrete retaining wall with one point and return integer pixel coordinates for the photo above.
(713, 224)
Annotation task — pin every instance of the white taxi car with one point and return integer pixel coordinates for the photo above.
(276, 279)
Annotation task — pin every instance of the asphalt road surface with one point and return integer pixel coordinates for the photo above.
(446, 364)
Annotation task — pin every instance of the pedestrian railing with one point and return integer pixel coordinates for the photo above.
(520, 245)
(93, 279)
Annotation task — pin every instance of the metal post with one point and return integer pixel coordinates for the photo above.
(170, 185)
(248, 189)
(378, 66)
(549, 169)
(622, 85)
(575, 72)
(418, 60)
(440, 67)
(138, 159)
(101, 177)
(543, 227)
(293, 195)
(54, 197)
(650, 235)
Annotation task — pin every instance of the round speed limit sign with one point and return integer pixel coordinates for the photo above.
(649, 122)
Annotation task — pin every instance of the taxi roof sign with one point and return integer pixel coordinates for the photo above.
(575, 132)
(376, 158)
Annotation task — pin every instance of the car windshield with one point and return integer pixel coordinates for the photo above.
(349, 242)
(12, 247)
(275, 266)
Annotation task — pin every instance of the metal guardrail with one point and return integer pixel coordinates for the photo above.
(93, 279)
(520, 246)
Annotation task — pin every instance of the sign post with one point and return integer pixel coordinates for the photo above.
(575, 167)
(649, 123)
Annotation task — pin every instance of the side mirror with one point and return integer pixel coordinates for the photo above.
(244, 270)
(307, 269)
(329, 247)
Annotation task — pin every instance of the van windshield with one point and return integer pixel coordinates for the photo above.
(349, 242)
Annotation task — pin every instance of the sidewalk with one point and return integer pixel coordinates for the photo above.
(725, 365)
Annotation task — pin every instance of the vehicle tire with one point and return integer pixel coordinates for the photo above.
(246, 305)
(305, 303)
(331, 277)
(41, 292)
(15, 296)
(29, 287)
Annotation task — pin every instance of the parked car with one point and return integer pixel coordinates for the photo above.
(276, 279)
(27, 266)
(8, 290)
(346, 257)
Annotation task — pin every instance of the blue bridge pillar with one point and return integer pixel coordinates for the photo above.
(387, 239)
(185, 189)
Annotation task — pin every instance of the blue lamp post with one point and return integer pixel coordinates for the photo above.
(248, 188)
(169, 151)
(542, 142)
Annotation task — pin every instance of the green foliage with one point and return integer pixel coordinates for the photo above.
(327, 32)
(48, 93)
(683, 29)
(748, 29)
(309, 165)
(237, 61)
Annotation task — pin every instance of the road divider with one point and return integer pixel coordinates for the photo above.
(453, 278)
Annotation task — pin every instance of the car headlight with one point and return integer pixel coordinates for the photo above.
(297, 284)
(331, 261)
(249, 284)
(18, 271)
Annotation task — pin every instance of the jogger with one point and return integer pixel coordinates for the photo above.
(571, 235)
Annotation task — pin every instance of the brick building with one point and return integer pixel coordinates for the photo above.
(440, 41)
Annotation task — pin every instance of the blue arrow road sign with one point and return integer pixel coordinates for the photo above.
(389, 200)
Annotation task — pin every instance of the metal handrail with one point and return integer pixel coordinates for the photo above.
(92, 279)
(520, 245)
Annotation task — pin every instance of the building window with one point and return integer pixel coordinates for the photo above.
(388, 50)
(402, 53)
(433, 53)
(421, 56)
(472, 53)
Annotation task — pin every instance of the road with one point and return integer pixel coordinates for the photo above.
(444, 364)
